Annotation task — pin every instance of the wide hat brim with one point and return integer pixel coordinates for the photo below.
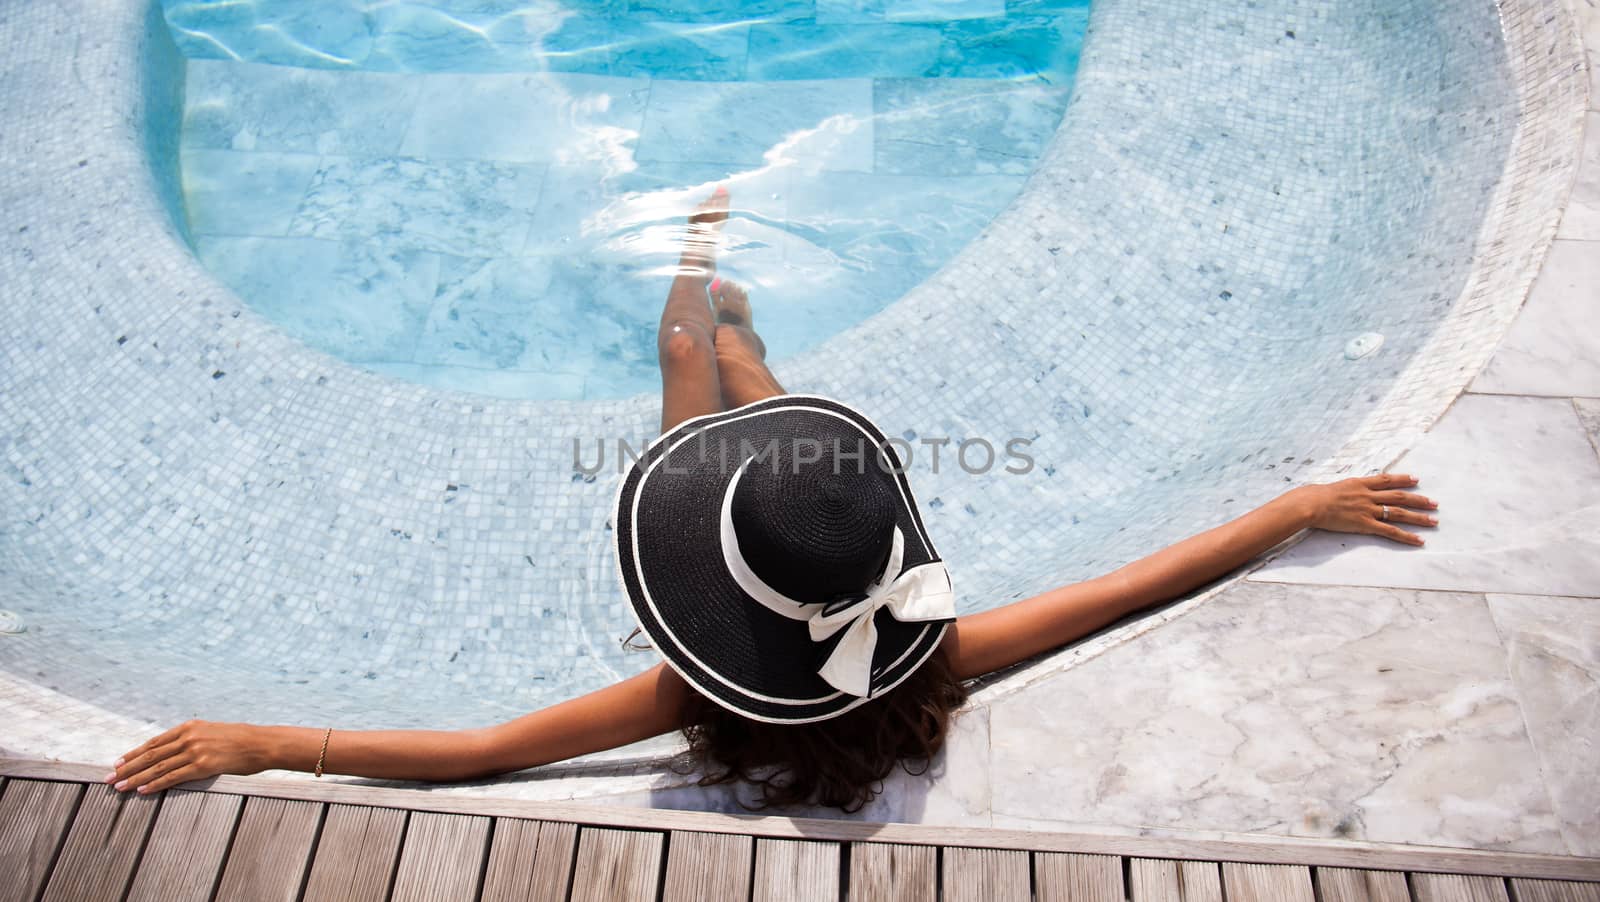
(730, 648)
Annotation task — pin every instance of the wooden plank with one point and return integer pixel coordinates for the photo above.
(1457, 888)
(103, 845)
(616, 865)
(985, 875)
(441, 857)
(1555, 891)
(1163, 880)
(1079, 878)
(34, 818)
(893, 873)
(529, 860)
(1351, 885)
(1267, 883)
(788, 869)
(271, 850)
(356, 854)
(1229, 847)
(184, 856)
(708, 866)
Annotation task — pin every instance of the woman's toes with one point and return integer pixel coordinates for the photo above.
(713, 210)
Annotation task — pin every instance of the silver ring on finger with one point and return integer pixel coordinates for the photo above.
(1384, 514)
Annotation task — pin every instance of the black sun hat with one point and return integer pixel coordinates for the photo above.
(775, 556)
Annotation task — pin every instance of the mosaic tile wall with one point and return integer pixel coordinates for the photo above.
(199, 517)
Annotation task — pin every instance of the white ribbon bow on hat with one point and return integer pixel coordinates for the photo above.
(920, 593)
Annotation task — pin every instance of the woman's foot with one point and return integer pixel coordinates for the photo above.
(732, 305)
(703, 234)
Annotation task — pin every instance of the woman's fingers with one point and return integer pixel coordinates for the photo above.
(1389, 480)
(181, 775)
(153, 770)
(1402, 515)
(140, 768)
(1391, 531)
(1404, 499)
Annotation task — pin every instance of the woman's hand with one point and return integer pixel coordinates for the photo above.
(191, 751)
(1374, 505)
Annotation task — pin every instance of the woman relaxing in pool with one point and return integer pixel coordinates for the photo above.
(773, 553)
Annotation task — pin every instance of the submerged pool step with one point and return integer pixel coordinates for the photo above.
(772, 40)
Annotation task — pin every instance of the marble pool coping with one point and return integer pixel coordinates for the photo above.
(88, 96)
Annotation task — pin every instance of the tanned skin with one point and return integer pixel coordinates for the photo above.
(711, 360)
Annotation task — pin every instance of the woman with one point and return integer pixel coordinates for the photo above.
(773, 554)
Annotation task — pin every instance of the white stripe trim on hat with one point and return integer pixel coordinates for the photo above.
(656, 612)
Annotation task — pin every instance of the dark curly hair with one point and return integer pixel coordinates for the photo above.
(840, 762)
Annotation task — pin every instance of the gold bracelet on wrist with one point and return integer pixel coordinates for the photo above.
(324, 750)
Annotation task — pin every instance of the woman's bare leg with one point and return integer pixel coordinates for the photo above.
(741, 354)
(686, 341)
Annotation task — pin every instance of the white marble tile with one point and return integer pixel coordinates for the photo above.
(368, 303)
(1518, 488)
(825, 124)
(420, 204)
(942, 10)
(954, 791)
(1375, 714)
(1582, 216)
(542, 117)
(1589, 415)
(489, 314)
(232, 193)
(1553, 652)
(832, 12)
(249, 106)
(1553, 348)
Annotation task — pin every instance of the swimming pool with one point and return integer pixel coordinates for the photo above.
(205, 517)
(490, 197)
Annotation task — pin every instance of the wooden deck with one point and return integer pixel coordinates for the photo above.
(66, 836)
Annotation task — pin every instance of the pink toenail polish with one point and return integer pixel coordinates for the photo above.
(715, 283)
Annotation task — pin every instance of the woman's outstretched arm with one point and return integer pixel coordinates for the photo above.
(636, 708)
(985, 642)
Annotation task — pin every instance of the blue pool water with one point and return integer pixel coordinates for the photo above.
(488, 196)
(205, 518)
